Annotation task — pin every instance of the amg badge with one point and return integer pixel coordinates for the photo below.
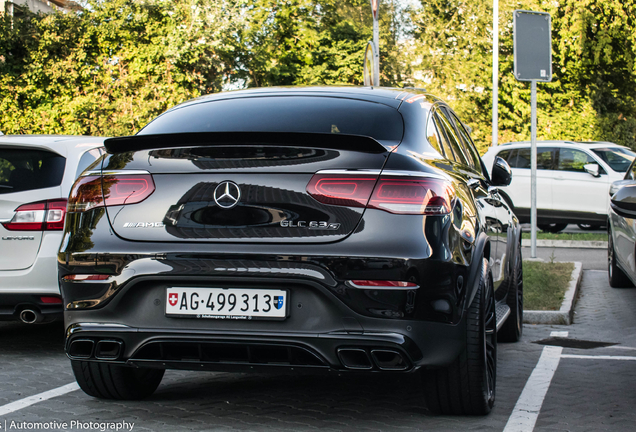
(143, 225)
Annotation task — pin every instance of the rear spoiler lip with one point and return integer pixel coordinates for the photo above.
(357, 143)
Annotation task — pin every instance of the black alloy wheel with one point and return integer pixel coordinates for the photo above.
(467, 386)
(512, 329)
(617, 278)
(552, 228)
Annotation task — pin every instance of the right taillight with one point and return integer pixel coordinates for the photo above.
(393, 194)
(110, 190)
(427, 196)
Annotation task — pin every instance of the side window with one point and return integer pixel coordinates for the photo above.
(87, 159)
(453, 139)
(545, 159)
(469, 146)
(504, 155)
(433, 136)
(573, 160)
(631, 175)
(448, 152)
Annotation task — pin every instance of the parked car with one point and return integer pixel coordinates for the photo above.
(621, 243)
(36, 174)
(573, 180)
(344, 229)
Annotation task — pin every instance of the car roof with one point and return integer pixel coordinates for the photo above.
(588, 144)
(64, 145)
(386, 95)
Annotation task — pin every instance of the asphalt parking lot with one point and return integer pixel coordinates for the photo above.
(570, 389)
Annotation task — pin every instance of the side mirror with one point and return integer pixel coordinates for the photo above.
(592, 169)
(501, 173)
(615, 186)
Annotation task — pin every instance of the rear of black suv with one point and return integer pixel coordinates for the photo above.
(282, 230)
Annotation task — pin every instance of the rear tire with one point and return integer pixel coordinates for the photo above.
(512, 329)
(617, 278)
(467, 386)
(106, 381)
(552, 228)
(589, 227)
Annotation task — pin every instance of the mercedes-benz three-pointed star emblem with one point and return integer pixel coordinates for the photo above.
(227, 194)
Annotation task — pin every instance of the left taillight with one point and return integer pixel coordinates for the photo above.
(93, 191)
(39, 216)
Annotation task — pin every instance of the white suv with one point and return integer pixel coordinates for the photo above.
(573, 180)
(36, 175)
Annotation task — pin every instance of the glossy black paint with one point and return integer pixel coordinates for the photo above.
(199, 245)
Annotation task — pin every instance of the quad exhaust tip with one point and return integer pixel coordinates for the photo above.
(381, 358)
(100, 350)
(31, 316)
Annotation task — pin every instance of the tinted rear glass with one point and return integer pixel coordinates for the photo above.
(283, 114)
(22, 170)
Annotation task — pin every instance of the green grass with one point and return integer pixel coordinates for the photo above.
(544, 284)
(566, 236)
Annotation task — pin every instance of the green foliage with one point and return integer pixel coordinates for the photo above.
(593, 90)
(111, 68)
(309, 42)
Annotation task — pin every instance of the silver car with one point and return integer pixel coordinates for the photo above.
(36, 175)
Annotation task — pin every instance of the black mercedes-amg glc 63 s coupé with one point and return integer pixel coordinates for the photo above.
(347, 229)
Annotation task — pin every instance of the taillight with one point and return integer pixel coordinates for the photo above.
(350, 191)
(38, 216)
(110, 190)
(395, 194)
(427, 196)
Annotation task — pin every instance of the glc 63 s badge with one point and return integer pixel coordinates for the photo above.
(310, 225)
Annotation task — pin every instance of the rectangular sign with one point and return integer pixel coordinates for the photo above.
(226, 303)
(532, 46)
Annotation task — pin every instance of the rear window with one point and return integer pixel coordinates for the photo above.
(23, 170)
(283, 114)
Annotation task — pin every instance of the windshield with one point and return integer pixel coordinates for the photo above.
(619, 159)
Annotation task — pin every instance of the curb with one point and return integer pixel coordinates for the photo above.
(578, 244)
(566, 313)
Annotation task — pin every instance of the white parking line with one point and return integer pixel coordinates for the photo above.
(597, 357)
(524, 415)
(23, 403)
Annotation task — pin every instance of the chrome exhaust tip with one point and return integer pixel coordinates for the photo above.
(30, 316)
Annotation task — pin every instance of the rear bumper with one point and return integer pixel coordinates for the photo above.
(425, 345)
(12, 304)
(23, 289)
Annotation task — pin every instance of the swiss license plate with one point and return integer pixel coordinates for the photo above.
(226, 303)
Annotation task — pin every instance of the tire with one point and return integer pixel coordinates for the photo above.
(589, 227)
(467, 386)
(512, 329)
(552, 228)
(106, 381)
(617, 278)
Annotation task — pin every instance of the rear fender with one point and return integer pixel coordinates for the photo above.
(482, 250)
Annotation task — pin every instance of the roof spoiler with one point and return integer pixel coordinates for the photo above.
(357, 143)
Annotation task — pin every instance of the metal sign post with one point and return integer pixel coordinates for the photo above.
(495, 73)
(375, 9)
(369, 64)
(533, 62)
